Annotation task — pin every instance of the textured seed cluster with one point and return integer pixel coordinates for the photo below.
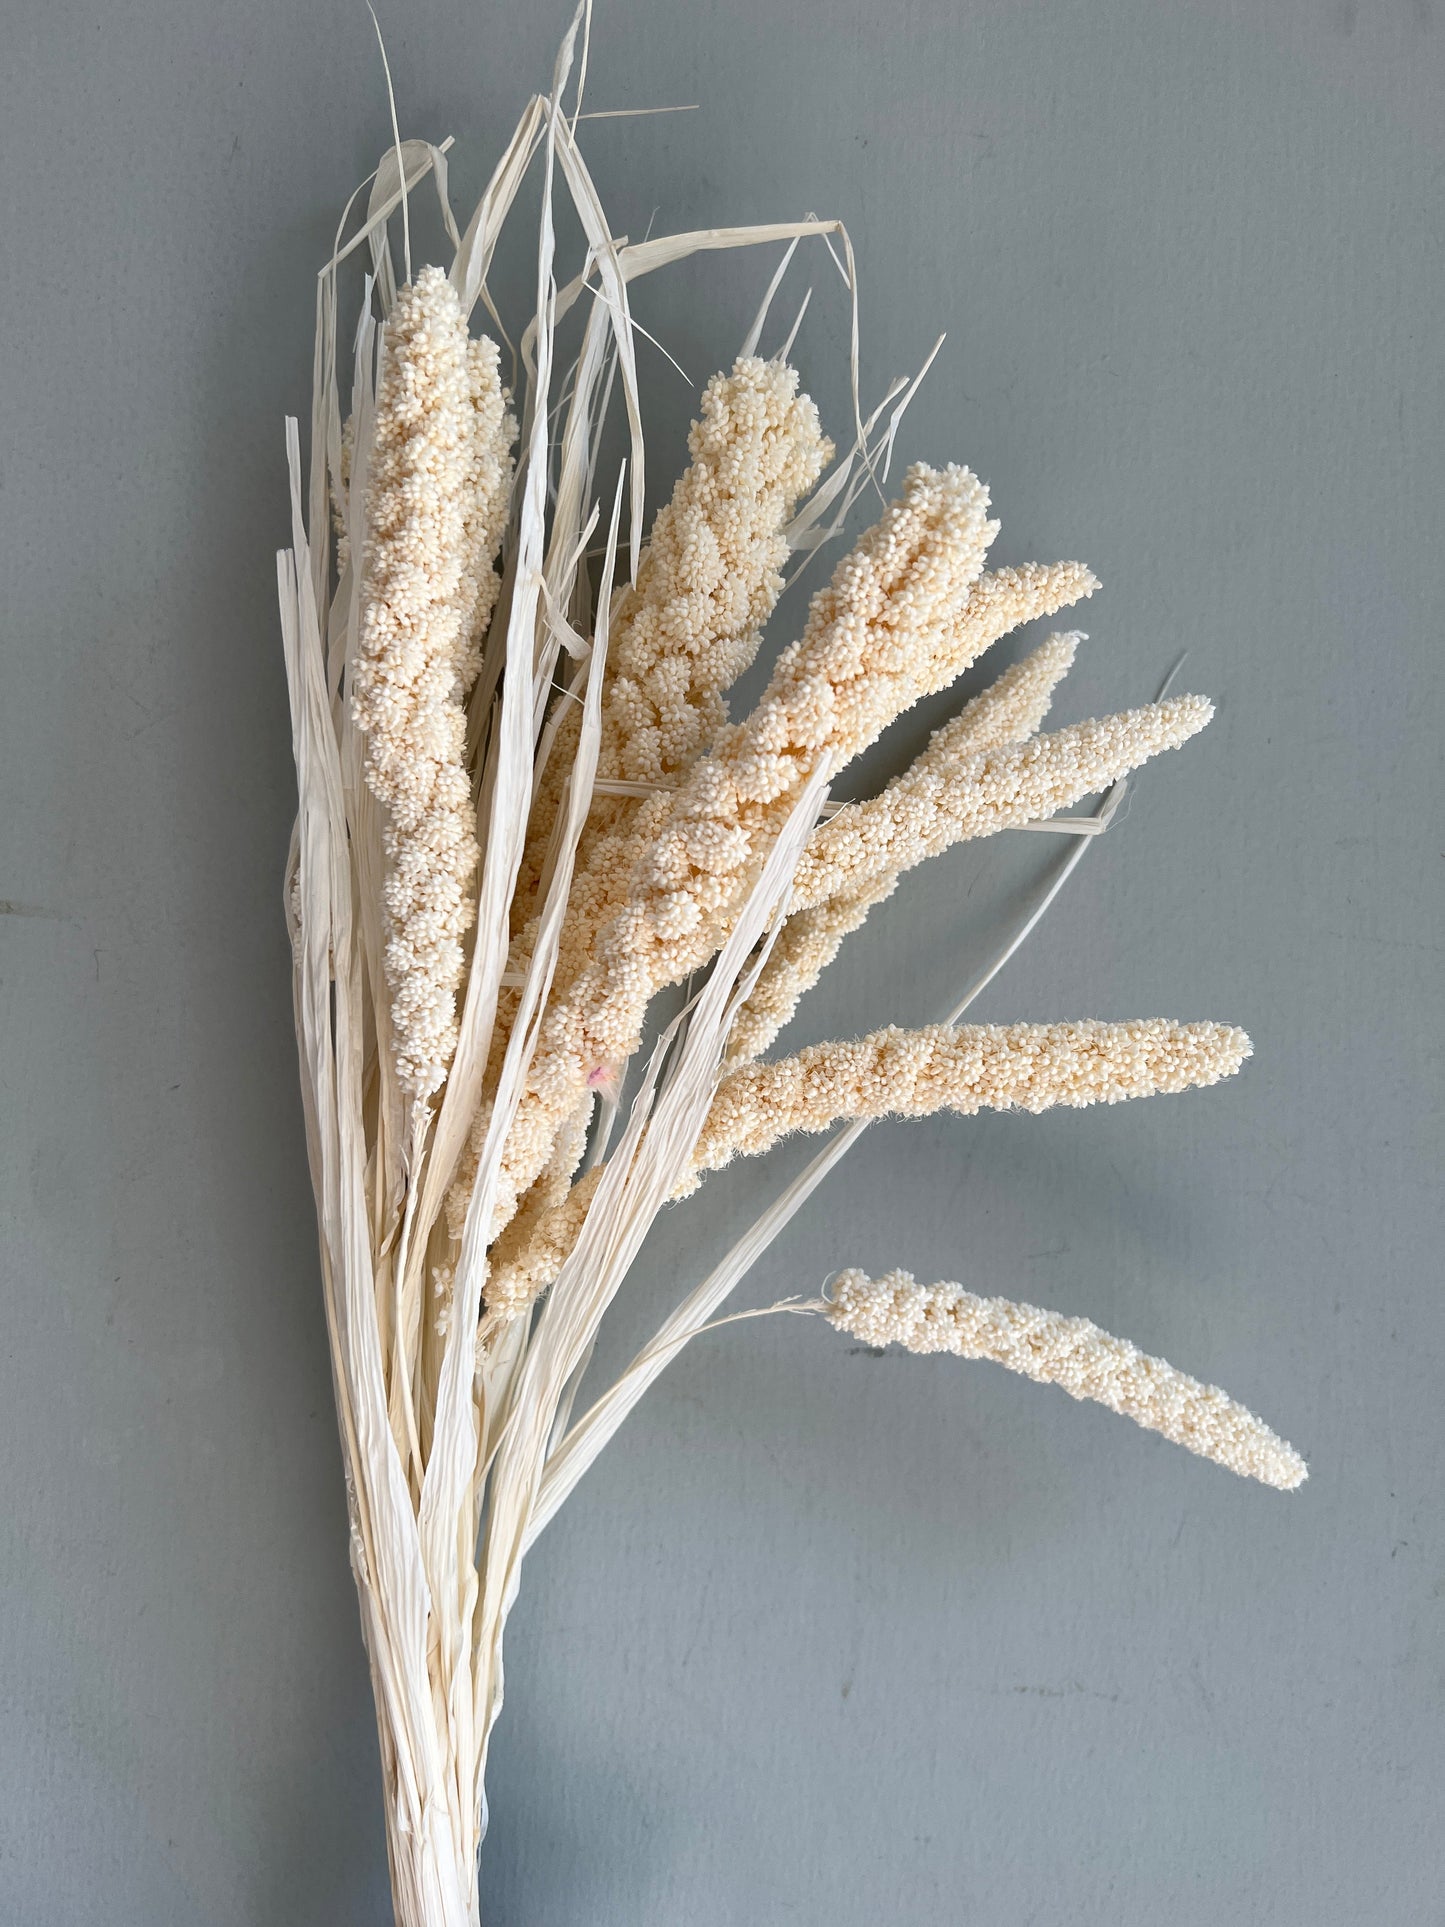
(660, 878)
(712, 572)
(807, 943)
(488, 500)
(435, 509)
(1053, 1350)
(709, 579)
(1010, 709)
(964, 1068)
(943, 800)
(1015, 703)
(535, 1245)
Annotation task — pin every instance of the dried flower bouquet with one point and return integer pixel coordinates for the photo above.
(524, 811)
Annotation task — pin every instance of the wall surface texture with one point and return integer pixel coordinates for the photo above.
(826, 1637)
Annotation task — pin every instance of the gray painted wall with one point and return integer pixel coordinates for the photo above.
(826, 1638)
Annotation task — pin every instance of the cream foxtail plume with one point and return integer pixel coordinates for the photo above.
(439, 478)
(1070, 1352)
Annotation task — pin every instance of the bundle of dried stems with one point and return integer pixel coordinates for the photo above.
(525, 811)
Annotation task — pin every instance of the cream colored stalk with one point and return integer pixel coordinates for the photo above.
(1070, 1352)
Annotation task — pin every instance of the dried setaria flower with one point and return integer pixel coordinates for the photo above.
(1070, 1352)
(434, 513)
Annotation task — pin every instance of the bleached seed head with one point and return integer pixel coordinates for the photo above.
(871, 638)
(711, 571)
(947, 798)
(965, 1068)
(437, 499)
(1011, 708)
(1069, 1352)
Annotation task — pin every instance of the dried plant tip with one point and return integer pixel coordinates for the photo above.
(712, 571)
(1013, 706)
(1070, 1352)
(1003, 601)
(940, 801)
